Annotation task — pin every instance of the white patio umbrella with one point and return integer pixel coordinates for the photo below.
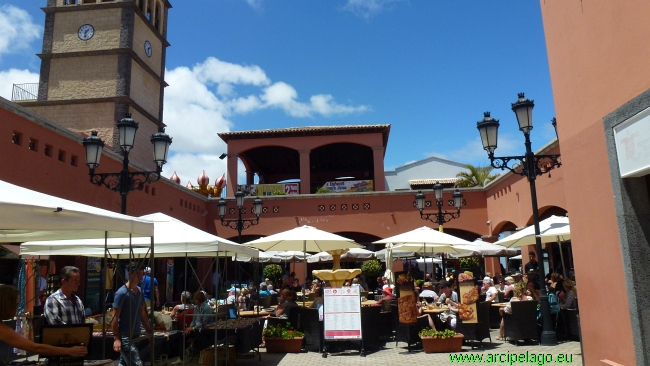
(263, 257)
(427, 241)
(485, 249)
(307, 238)
(383, 255)
(555, 228)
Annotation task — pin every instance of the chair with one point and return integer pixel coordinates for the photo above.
(274, 299)
(480, 330)
(386, 306)
(494, 317)
(312, 327)
(371, 327)
(501, 296)
(428, 299)
(408, 333)
(522, 323)
(265, 302)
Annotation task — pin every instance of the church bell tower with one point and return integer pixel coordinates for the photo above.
(102, 59)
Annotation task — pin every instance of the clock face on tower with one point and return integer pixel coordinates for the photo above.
(147, 48)
(86, 32)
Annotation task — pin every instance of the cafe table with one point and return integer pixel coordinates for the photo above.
(500, 304)
(433, 311)
(369, 303)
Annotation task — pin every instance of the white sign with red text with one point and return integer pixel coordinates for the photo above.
(342, 310)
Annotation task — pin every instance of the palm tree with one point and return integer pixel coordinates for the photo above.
(477, 176)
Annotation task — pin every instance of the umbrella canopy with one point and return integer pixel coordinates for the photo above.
(428, 260)
(485, 249)
(396, 254)
(289, 255)
(172, 237)
(427, 240)
(517, 258)
(555, 228)
(263, 257)
(305, 238)
(30, 215)
(352, 254)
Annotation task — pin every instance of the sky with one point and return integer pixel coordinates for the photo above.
(429, 68)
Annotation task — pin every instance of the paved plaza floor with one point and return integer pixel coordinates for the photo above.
(391, 355)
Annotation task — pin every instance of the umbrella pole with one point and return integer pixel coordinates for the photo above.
(304, 258)
(425, 260)
(561, 257)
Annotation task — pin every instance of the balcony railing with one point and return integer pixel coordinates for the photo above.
(24, 92)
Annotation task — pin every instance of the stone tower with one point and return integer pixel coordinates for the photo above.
(100, 60)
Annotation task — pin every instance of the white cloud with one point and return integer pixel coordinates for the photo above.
(15, 76)
(16, 30)
(255, 4)
(201, 101)
(367, 8)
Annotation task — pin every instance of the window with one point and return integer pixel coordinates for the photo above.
(153, 191)
(17, 138)
(33, 144)
(146, 188)
(48, 150)
(61, 155)
(70, 2)
(181, 202)
(73, 160)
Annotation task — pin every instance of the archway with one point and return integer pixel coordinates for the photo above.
(272, 163)
(329, 162)
(546, 212)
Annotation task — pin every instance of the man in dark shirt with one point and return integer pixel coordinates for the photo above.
(532, 263)
(130, 313)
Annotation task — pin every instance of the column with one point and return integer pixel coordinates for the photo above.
(233, 159)
(305, 172)
(492, 265)
(378, 162)
(250, 177)
(153, 13)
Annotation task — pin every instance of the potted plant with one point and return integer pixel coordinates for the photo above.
(434, 341)
(371, 268)
(283, 339)
(272, 271)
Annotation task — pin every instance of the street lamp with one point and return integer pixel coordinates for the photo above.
(126, 181)
(441, 216)
(530, 166)
(239, 224)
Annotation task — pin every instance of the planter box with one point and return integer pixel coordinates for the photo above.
(281, 345)
(436, 345)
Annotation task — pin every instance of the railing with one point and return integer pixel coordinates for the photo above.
(23, 92)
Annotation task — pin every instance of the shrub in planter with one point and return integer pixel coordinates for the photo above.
(279, 339)
(272, 271)
(434, 341)
(371, 267)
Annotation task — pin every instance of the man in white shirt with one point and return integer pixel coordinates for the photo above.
(427, 291)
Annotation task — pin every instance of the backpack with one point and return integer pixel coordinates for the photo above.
(553, 303)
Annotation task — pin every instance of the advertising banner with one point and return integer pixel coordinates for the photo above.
(469, 295)
(406, 303)
(342, 313)
(93, 283)
(350, 186)
(269, 189)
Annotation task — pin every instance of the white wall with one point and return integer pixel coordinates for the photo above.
(429, 168)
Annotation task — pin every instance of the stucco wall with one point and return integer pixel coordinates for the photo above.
(598, 61)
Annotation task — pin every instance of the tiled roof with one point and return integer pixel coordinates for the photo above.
(417, 182)
(307, 131)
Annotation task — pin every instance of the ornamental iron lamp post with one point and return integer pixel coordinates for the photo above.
(441, 216)
(530, 166)
(126, 181)
(239, 224)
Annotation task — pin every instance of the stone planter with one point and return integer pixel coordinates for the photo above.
(282, 345)
(436, 345)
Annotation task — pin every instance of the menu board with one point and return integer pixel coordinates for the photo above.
(406, 304)
(342, 310)
(469, 296)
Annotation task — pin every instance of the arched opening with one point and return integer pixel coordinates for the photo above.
(463, 234)
(329, 162)
(158, 17)
(272, 164)
(504, 228)
(546, 212)
(361, 238)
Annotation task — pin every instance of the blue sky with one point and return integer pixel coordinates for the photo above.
(429, 68)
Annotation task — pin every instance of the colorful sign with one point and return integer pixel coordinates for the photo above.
(269, 189)
(342, 313)
(93, 284)
(407, 304)
(469, 295)
(350, 186)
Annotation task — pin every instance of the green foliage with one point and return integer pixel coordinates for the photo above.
(478, 176)
(272, 271)
(470, 262)
(371, 267)
(419, 283)
(322, 190)
(282, 332)
(278, 193)
(429, 332)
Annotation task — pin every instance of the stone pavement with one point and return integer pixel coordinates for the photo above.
(390, 355)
